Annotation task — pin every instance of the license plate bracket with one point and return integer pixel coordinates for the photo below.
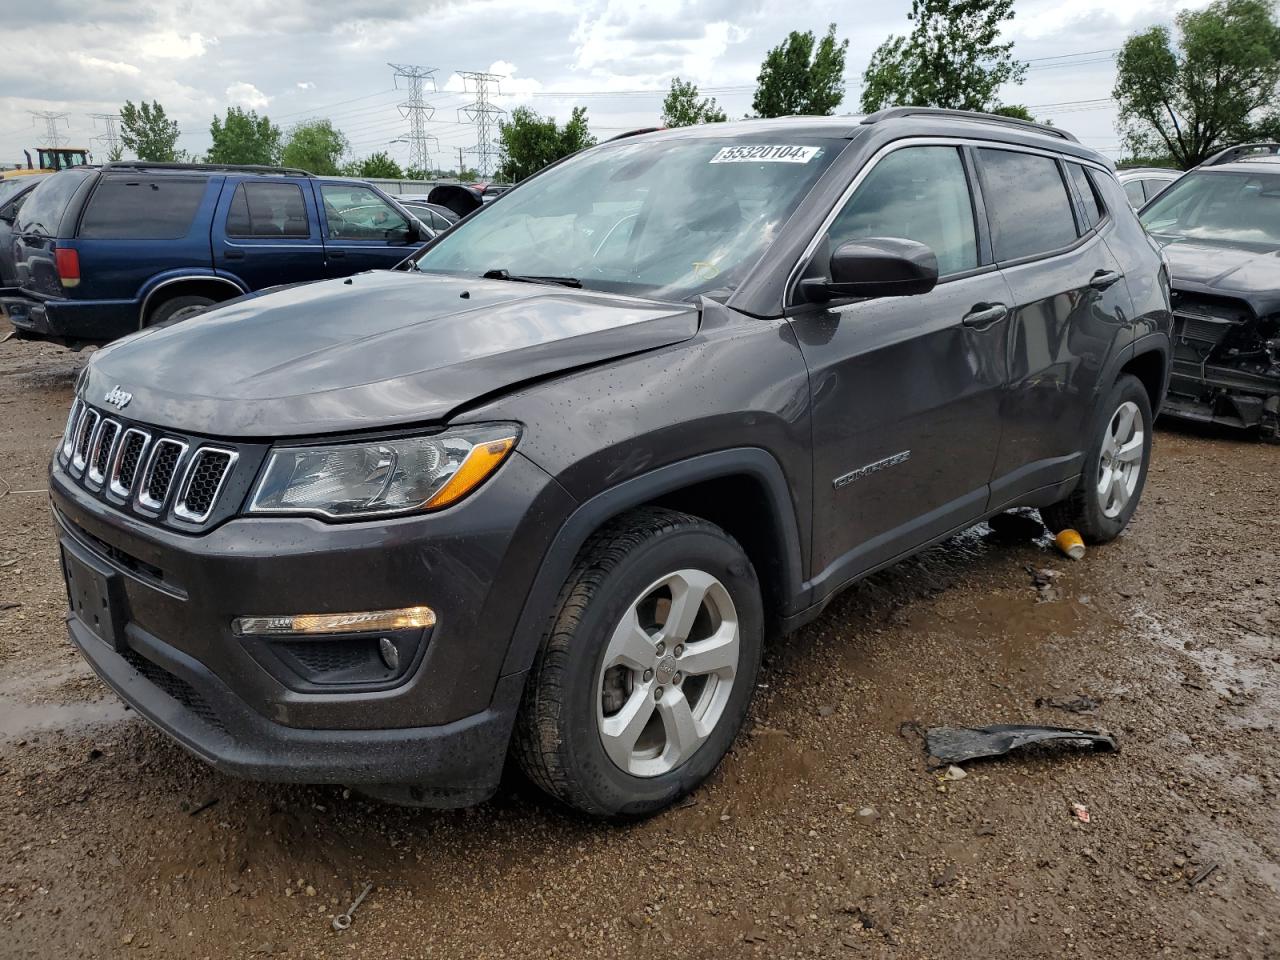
(96, 595)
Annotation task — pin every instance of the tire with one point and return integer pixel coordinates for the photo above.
(1097, 515)
(572, 703)
(178, 308)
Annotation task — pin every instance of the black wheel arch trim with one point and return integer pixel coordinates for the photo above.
(589, 516)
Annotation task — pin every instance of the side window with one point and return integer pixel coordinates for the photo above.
(1133, 190)
(1090, 202)
(128, 209)
(1027, 203)
(265, 209)
(357, 213)
(1153, 187)
(917, 193)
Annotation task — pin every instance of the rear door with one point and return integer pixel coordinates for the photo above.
(267, 231)
(363, 229)
(905, 390)
(1069, 297)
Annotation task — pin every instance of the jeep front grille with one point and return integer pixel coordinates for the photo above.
(174, 479)
(132, 447)
(103, 446)
(161, 469)
(209, 469)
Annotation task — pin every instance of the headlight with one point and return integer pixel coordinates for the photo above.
(383, 476)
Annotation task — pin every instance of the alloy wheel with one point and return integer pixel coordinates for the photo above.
(1120, 464)
(667, 673)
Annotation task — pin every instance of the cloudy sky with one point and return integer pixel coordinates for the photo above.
(295, 59)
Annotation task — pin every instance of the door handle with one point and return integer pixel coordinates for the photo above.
(335, 254)
(984, 316)
(1105, 278)
(233, 255)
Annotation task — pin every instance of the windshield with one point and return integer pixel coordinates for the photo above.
(43, 209)
(9, 187)
(1240, 208)
(666, 219)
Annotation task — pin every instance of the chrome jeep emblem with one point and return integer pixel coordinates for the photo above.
(117, 397)
(666, 668)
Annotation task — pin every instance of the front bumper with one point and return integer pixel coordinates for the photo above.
(444, 724)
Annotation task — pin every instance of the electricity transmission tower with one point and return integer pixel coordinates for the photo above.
(51, 135)
(416, 110)
(111, 138)
(484, 115)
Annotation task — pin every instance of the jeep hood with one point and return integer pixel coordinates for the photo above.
(377, 349)
(1248, 274)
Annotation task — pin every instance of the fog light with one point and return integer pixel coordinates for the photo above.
(390, 653)
(304, 624)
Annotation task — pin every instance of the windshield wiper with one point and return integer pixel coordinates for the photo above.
(518, 278)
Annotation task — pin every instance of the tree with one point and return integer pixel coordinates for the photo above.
(1190, 101)
(244, 137)
(146, 131)
(417, 173)
(377, 164)
(797, 79)
(530, 142)
(683, 107)
(315, 146)
(951, 58)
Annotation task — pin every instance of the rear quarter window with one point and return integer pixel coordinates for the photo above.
(48, 202)
(162, 208)
(1027, 203)
(1091, 205)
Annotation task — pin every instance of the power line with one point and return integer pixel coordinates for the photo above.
(111, 137)
(51, 135)
(416, 110)
(483, 114)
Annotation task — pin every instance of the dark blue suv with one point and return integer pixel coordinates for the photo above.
(101, 252)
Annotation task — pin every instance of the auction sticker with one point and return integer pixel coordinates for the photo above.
(765, 153)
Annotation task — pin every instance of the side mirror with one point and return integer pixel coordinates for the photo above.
(876, 267)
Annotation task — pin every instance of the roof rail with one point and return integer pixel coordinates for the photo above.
(206, 167)
(1240, 151)
(891, 113)
(633, 133)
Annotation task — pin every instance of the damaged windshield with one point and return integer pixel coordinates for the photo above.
(1240, 208)
(666, 219)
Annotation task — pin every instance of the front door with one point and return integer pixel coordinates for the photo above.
(363, 231)
(905, 391)
(267, 233)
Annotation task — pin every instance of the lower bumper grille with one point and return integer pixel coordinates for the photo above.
(176, 688)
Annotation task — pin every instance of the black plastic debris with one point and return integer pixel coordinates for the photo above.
(958, 744)
(1015, 527)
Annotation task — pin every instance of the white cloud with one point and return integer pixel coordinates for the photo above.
(305, 85)
(111, 66)
(247, 95)
(171, 45)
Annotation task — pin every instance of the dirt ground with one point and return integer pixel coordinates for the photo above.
(109, 846)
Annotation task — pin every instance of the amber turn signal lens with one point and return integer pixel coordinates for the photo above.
(483, 459)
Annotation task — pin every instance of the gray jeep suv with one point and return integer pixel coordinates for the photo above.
(546, 488)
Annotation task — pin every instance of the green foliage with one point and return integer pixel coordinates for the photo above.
(530, 142)
(1015, 110)
(376, 165)
(150, 134)
(1207, 93)
(417, 173)
(316, 146)
(796, 78)
(951, 58)
(684, 108)
(244, 137)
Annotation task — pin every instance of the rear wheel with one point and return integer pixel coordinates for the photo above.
(1115, 468)
(646, 673)
(178, 308)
